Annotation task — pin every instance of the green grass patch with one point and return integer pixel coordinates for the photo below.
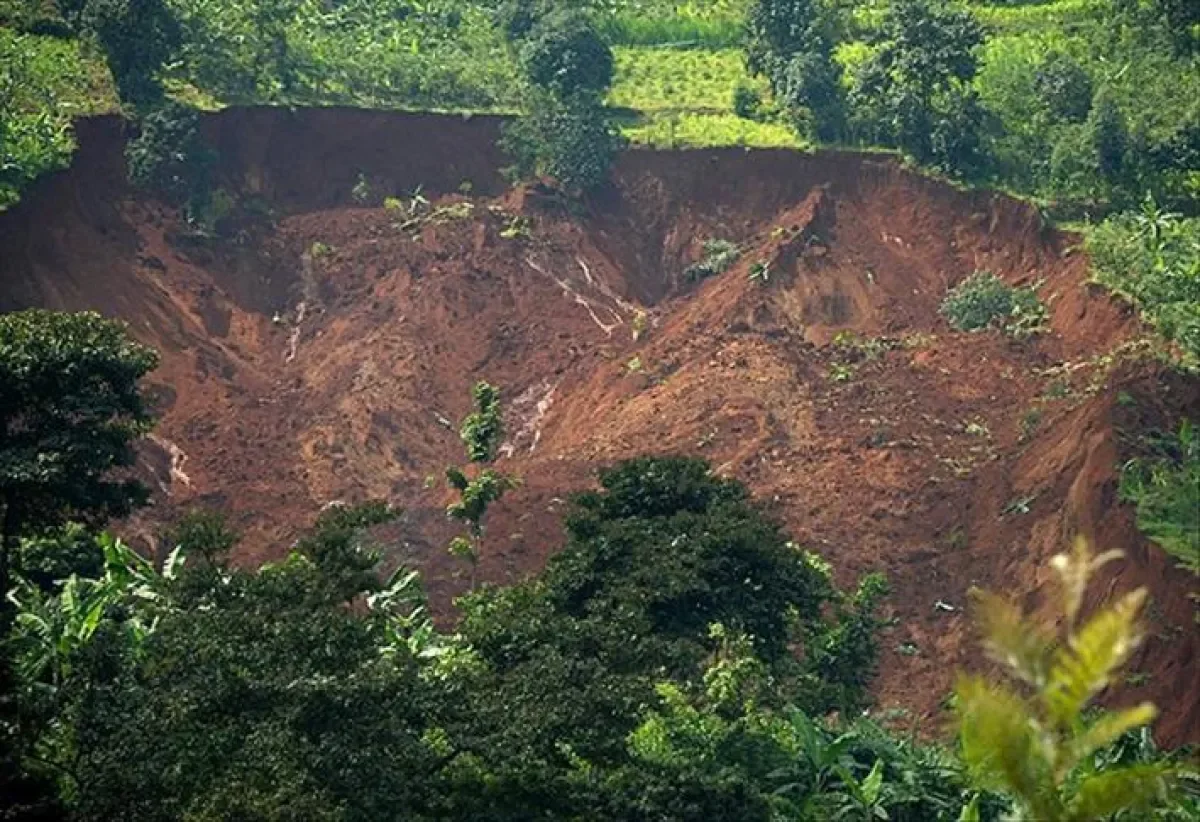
(662, 79)
(686, 130)
(1016, 19)
(709, 24)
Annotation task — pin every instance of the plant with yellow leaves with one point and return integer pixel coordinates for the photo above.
(1037, 745)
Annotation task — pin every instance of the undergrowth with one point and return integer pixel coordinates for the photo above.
(1165, 488)
(719, 255)
(1152, 258)
(983, 301)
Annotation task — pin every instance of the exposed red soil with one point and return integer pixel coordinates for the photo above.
(924, 462)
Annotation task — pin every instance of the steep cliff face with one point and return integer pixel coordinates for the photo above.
(324, 354)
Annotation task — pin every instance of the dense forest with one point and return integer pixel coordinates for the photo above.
(680, 657)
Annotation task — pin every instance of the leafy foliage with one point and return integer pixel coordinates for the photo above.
(169, 158)
(565, 133)
(914, 91)
(35, 127)
(482, 431)
(564, 53)
(1165, 488)
(1039, 749)
(789, 42)
(138, 37)
(719, 255)
(170, 725)
(69, 411)
(1153, 258)
(983, 300)
(571, 140)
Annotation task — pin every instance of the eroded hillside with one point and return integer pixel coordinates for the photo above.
(324, 355)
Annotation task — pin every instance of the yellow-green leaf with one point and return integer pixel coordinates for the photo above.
(1074, 571)
(1085, 666)
(1106, 730)
(1009, 639)
(1136, 788)
(1002, 743)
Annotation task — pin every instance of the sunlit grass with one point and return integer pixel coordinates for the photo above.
(1032, 16)
(655, 79)
(709, 24)
(697, 130)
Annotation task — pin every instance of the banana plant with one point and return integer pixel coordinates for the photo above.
(50, 629)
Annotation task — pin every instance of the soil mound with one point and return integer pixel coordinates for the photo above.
(324, 355)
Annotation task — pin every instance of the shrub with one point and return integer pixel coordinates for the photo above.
(571, 140)
(719, 255)
(169, 158)
(747, 102)
(1165, 488)
(1153, 259)
(1039, 744)
(1064, 88)
(983, 300)
(35, 125)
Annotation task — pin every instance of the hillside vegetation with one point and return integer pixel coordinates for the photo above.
(876, 354)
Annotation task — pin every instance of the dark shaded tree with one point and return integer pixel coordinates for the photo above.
(70, 410)
(138, 37)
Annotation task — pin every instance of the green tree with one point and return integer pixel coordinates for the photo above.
(566, 132)
(571, 140)
(664, 550)
(70, 410)
(138, 38)
(917, 82)
(564, 53)
(255, 695)
(790, 42)
(482, 432)
(1109, 137)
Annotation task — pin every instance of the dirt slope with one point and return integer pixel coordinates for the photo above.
(323, 356)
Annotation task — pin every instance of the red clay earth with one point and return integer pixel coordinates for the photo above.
(325, 355)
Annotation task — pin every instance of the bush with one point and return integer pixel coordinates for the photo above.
(1064, 88)
(719, 255)
(747, 102)
(1165, 488)
(564, 54)
(1153, 259)
(570, 140)
(35, 114)
(169, 158)
(983, 300)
